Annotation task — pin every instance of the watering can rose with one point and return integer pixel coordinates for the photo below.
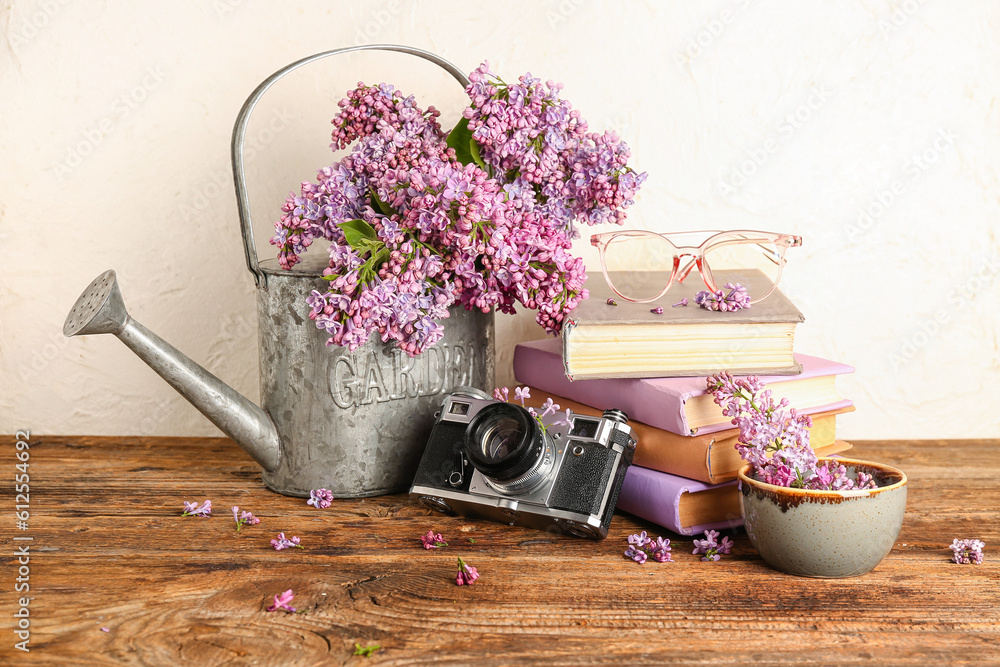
(483, 216)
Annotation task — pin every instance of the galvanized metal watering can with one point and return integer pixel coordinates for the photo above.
(352, 422)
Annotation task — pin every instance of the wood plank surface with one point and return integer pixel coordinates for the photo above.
(110, 550)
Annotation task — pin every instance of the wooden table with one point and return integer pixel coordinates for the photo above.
(117, 576)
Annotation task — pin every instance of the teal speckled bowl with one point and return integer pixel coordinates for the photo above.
(827, 534)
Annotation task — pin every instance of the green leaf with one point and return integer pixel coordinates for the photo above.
(477, 158)
(357, 233)
(381, 205)
(460, 138)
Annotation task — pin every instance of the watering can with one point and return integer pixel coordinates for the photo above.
(354, 422)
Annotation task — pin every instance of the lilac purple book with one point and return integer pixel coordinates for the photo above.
(685, 506)
(680, 404)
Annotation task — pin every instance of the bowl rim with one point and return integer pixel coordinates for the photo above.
(819, 493)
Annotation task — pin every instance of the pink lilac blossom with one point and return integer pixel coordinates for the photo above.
(281, 542)
(967, 551)
(282, 600)
(736, 299)
(775, 441)
(710, 547)
(641, 547)
(243, 518)
(320, 498)
(682, 302)
(193, 509)
(433, 540)
(413, 230)
(467, 574)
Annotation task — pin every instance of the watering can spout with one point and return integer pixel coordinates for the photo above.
(100, 309)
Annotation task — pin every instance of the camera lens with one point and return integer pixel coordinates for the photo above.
(502, 437)
(508, 447)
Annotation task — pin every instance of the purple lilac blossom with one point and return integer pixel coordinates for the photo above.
(775, 441)
(433, 540)
(320, 498)
(243, 518)
(467, 574)
(281, 542)
(282, 600)
(193, 509)
(736, 299)
(642, 547)
(453, 233)
(710, 547)
(967, 552)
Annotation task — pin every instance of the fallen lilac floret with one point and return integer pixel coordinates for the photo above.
(193, 509)
(281, 542)
(710, 548)
(320, 498)
(467, 574)
(433, 540)
(967, 552)
(281, 601)
(243, 518)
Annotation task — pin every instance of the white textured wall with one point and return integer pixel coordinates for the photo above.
(870, 127)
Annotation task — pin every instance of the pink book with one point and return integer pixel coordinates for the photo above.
(682, 505)
(679, 405)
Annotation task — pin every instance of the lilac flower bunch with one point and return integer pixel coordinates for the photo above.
(719, 300)
(548, 159)
(193, 509)
(244, 518)
(320, 498)
(710, 547)
(419, 220)
(967, 551)
(775, 441)
(641, 547)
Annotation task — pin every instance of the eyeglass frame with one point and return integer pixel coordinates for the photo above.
(781, 242)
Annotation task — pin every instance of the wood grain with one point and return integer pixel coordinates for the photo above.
(111, 550)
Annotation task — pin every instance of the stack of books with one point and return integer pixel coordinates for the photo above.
(684, 470)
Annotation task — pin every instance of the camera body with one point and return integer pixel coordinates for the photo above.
(493, 460)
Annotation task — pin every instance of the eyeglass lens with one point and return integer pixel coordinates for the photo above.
(724, 260)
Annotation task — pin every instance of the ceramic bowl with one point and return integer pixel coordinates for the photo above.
(827, 534)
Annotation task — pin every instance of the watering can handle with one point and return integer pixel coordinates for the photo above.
(239, 133)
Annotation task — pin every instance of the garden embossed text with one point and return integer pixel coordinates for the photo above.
(365, 377)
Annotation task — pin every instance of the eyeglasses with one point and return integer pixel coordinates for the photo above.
(640, 250)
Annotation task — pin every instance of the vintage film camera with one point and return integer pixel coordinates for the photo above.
(493, 460)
